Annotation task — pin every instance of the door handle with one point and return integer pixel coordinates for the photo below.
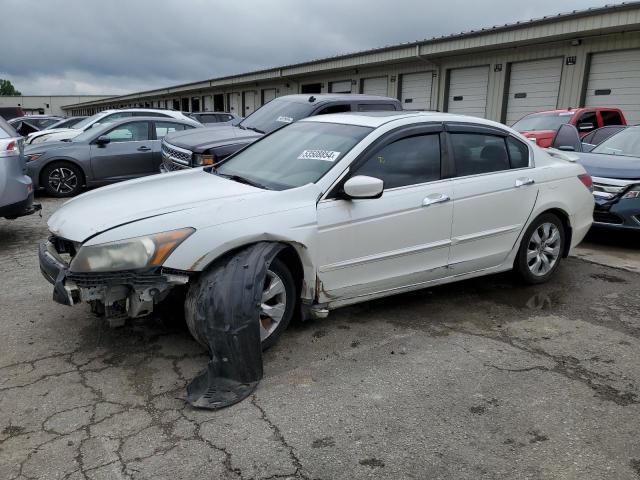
(143, 149)
(522, 181)
(437, 198)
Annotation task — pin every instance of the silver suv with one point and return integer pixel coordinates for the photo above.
(16, 189)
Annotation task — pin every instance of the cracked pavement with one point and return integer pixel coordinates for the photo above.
(480, 379)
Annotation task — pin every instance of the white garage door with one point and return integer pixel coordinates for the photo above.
(614, 81)
(340, 87)
(375, 86)
(533, 86)
(268, 94)
(415, 91)
(249, 102)
(468, 91)
(233, 101)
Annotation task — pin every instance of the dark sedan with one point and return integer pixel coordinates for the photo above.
(614, 166)
(122, 150)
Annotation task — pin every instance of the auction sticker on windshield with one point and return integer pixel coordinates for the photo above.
(284, 119)
(326, 155)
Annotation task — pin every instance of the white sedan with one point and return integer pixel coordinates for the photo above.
(360, 206)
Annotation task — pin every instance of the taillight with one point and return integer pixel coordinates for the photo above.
(12, 147)
(586, 180)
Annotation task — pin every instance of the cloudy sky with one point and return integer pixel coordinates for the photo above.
(120, 46)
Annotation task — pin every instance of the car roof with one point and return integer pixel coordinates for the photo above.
(376, 119)
(341, 97)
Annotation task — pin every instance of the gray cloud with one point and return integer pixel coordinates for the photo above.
(120, 46)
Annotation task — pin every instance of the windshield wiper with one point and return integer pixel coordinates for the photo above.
(241, 179)
(254, 129)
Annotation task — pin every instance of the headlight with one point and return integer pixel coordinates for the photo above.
(129, 254)
(202, 160)
(33, 156)
(632, 194)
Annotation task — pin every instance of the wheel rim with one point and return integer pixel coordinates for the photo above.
(543, 249)
(273, 304)
(63, 180)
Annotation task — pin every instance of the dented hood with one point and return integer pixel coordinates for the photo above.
(109, 207)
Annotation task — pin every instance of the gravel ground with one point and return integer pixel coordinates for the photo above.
(480, 379)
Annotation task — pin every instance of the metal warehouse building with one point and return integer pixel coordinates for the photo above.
(582, 58)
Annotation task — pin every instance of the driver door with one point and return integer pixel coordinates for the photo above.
(129, 154)
(368, 246)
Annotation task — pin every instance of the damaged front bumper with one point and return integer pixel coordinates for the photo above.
(114, 295)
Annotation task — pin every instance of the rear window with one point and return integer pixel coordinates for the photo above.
(610, 118)
(542, 121)
(375, 107)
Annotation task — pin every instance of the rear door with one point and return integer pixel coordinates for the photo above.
(494, 191)
(399, 239)
(129, 154)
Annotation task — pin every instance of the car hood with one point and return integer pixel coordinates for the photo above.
(199, 140)
(610, 166)
(105, 208)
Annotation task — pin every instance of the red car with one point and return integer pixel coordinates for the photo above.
(543, 125)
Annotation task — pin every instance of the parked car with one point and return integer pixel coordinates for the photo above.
(542, 126)
(104, 117)
(614, 165)
(125, 149)
(206, 147)
(33, 123)
(362, 206)
(215, 119)
(16, 188)
(68, 122)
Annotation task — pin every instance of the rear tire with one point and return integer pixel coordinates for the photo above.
(62, 179)
(541, 249)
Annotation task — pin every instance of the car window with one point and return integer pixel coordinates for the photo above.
(334, 109)
(129, 132)
(224, 118)
(295, 155)
(209, 118)
(149, 114)
(165, 128)
(476, 153)
(408, 161)
(542, 121)
(45, 122)
(375, 107)
(610, 117)
(518, 153)
(587, 122)
(626, 143)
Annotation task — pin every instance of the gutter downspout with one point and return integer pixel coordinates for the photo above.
(437, 76)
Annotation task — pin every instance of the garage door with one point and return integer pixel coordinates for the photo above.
(249, 102)
(468, 91)
(415, 91)
(268, 94)
(533, 86)
(233, 102)
(375, 86)
(340, 87)
(614, 81)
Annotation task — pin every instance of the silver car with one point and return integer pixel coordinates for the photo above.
(16, 188)
(125, 149)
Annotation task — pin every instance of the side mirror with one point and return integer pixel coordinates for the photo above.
(102, 140)
(566, 148)
(586, 127)
(362, 186)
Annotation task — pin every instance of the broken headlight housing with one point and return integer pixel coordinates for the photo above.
(129, 254)
(203, 160)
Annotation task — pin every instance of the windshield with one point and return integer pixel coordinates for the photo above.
(275, 114)
(625, 143)
(542, 121)
(294, 156)
(66, 123)
(90, 133)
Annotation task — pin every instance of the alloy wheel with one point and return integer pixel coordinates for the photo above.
(63, 180)
(543, 249)
(273, 304)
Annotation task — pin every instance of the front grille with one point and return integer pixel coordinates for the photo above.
(607, 217)
(135, 279)
(175, 158)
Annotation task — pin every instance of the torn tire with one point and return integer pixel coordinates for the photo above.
(223, 312)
